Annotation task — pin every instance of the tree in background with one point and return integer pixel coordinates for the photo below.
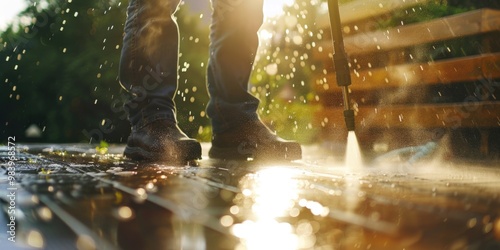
(474, 4)
(59, 71)
(50, 71)
(283, 69)
(192, 95)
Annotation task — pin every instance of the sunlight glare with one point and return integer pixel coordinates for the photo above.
(274, 192)
(9, 11)
(265, 234)
(273, 8)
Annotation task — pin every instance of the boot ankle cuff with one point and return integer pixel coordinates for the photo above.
(148, 120)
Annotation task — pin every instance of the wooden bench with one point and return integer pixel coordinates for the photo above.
(401, 96)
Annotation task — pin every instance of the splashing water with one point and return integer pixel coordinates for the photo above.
(353, 157)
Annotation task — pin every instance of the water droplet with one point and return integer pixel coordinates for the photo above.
(226, 220)
(487, 228)
(471, 222)
(85, 242)
(125, 213)
(35, 239)
(234, 209)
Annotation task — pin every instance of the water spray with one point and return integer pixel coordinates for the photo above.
(340, 61)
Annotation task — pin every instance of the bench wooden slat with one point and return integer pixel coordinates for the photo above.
(445, 71)
(479, 114)
(460, 25)
(491, 67)
(363, 9)
(412, 112)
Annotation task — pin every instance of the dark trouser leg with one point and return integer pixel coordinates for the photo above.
(238, 132)
(234, 43)
(148, 66)
(148, 71)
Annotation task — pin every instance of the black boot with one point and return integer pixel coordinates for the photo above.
(162, 141)
(253, 140)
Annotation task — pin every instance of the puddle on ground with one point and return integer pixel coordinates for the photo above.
(107, 200)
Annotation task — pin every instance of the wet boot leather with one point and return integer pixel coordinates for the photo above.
(253, 140)
(162, 141)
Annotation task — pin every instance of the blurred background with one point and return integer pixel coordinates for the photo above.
(59, 67)
(59, 70)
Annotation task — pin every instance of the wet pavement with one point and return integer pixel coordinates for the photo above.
(73, 197)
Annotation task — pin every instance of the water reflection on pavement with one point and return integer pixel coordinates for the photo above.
(71, 197)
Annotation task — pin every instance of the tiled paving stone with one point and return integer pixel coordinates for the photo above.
(104, 201)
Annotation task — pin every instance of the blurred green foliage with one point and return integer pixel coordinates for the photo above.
(420, 13)
(51, 68)
(435, 8)
(429, 10)
(283, 69)
(59, 71)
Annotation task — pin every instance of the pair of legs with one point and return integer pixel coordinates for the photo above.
(148, 71)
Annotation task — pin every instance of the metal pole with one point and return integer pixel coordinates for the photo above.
(340, 61)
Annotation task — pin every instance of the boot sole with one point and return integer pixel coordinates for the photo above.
(187, 151)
